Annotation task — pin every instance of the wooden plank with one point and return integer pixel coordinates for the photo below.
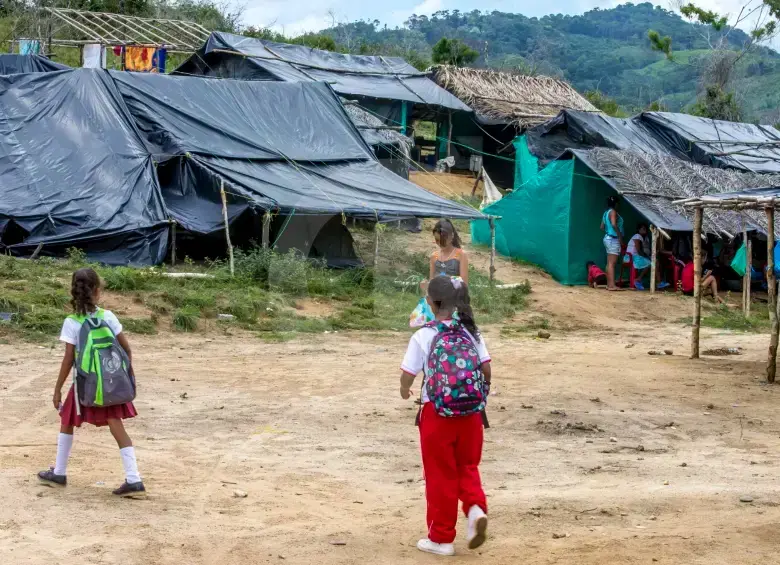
(771, 284)
(697, 220)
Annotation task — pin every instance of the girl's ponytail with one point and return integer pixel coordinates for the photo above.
(83, 288)
(463, 307)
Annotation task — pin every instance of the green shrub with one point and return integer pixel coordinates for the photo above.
(186, 319)
(124, 279)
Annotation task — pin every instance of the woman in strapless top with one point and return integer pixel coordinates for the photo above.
(449, 260)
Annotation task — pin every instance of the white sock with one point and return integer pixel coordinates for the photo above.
(130, 465)
(64, 445)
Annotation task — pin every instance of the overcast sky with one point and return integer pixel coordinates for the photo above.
(294, 17)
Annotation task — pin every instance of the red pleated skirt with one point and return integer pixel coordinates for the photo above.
(97, 416)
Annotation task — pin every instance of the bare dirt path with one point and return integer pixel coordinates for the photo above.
(314, 432)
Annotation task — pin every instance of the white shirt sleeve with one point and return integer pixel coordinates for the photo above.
(70, 331)
(112, 322)
(484, 356)
(414, 360)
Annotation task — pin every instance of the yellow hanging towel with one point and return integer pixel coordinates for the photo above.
(139, 59)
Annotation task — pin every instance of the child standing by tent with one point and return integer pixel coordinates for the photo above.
(456, 384)
(85, 292)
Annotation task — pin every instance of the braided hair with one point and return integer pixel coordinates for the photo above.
(447, 229)
(83, 287)
(451, 297)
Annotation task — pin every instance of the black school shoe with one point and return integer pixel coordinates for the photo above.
(127, 490)
(48, 478)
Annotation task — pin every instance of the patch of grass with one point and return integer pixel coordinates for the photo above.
(733, 319)
(186, 319)
(144, 326)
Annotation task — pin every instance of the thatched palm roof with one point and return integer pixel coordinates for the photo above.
(521, 100)
(652, 182)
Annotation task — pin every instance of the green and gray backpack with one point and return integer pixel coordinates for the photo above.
(103, 376)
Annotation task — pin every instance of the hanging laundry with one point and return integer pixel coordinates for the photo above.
(94, 56)
(158, 61)
(117, 50)
(29, 47)
(139, 59)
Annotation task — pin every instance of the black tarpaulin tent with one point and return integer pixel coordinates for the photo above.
(714, 143)
(281, 146)
(12, 64)
(390, 78)
(717, 143)
(74, 171)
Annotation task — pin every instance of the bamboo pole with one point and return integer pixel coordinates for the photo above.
(492, 222)
(266, 230)
(653, 258)
(173, 243)
(227, 226)
(748, 273)
(449, 134)
(771, 365)
(476, 182)
(697, 219)
(376, 245)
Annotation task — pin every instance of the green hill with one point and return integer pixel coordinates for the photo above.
(604, 50)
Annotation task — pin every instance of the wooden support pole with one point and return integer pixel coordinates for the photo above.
(697, 220)
(173, 243)
(449, 134)
(748, 277)
(492, 222)
(771, 286)
(653, 258)
(376, 245)
(227, 226)
(266, 230)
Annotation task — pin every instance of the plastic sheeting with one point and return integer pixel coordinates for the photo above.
(11, 64)
(75, 172)
(356, 75)
(277, 146)
(573, 129)
(717, 143)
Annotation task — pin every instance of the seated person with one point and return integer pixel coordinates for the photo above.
(708, 282)
(639, 247)
(596, 277)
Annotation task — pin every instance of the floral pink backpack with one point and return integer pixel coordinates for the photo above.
(453, 379)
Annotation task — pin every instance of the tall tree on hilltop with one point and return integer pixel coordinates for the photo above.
(453, 52)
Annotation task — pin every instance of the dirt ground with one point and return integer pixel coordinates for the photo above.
(598, 453)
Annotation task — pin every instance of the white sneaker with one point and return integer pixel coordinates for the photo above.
(477, 530)
(428, 546)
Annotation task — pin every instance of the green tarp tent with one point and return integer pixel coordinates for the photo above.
(553, 220)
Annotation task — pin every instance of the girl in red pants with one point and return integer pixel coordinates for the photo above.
(451, 446)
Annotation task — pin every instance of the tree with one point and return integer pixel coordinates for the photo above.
(453, 52)
(606, 104)
(716, 95)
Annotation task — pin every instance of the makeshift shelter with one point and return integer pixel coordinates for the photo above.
(759, 200)
(717, 143)
(553, 221)
(74, 171)
(387, 86)
(79, 149)
(700, 140)
(390, 146)
(281, 149)
(12, 64)
(505, 105)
